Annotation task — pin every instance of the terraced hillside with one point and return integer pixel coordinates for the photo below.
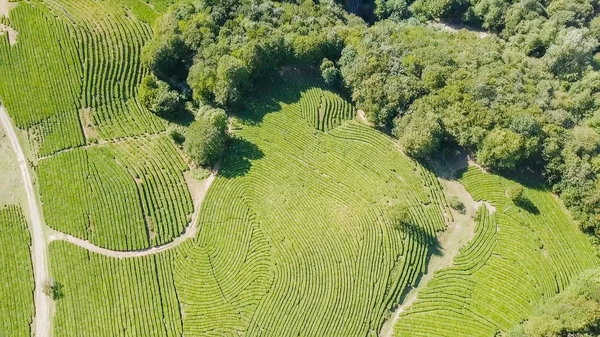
(126, 195)
(16, 279)
(111, 297)
(297, 235)
(83, 88)
(71, 82)
(520, 255)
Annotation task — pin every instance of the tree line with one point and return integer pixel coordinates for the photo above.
(525, 96)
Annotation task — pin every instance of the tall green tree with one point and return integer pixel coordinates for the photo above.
(205, 138)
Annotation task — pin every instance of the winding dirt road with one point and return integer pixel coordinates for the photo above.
(41, 322)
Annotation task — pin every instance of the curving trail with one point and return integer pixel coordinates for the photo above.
(41, 322)
(190, 232)
(459, 233)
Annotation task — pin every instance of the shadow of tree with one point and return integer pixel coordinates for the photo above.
(239, 154)
(285, 86)
(423, 237)
(181, 116)
(526, 204)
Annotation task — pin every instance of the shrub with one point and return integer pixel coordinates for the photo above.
(329, 72)
(401, 216)
(206, 137)
(53, 289)
(457, 204)
(515, 193)
(157, 97)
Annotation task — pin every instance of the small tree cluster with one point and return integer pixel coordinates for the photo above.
(456, 204)
(53, 289)
(329, 72)
(205, 138)
(515, 193)
(157, 96)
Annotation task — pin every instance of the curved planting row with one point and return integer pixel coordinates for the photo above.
(85, 193)
(519, 256)
(109, 45)
(16, 280)
(158, 170)
(74, 54)
(124, 196)
(297, 234)
(41, 74)
(321, 108)
(109, 297)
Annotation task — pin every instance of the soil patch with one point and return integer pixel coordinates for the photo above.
(454, 28)
(87, 124)
(5, 7)
(460, 231)
(10, 176)
(12, 34)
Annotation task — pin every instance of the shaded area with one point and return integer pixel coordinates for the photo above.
(239, 154)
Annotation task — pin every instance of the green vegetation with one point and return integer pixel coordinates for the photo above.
(16, 282)
(221, 48)
(205, 138)
(111, 297)
(505, 106)
(127, 195)
(291, 205)
(156, 96)
(316, 224)
(456, 204)
(517, 258)
(574, 312)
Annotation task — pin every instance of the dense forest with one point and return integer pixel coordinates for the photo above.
(522, 93)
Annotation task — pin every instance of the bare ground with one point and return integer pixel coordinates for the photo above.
(41, 325)
(458, 234)
(10, 175)
(12, 34)
(454, 28)
(87, 124)
(5, 7)
(362, 116)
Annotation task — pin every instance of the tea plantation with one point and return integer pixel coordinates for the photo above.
(520, 254)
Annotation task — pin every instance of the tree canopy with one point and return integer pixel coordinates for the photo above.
(524, 95)
(573, 312)
(205, 138)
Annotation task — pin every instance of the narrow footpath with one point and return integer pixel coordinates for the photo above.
(458, 234)
(41, 322)
(190, 232)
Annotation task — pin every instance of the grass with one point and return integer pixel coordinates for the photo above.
(16, 279)
(10, 176)
(517, 258)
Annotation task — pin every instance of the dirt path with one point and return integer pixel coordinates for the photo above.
(5, 7)
(12, 34)
(42, 322)
(190, 231)
(459, 233)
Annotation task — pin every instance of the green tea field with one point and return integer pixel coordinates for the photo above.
(207, 168)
